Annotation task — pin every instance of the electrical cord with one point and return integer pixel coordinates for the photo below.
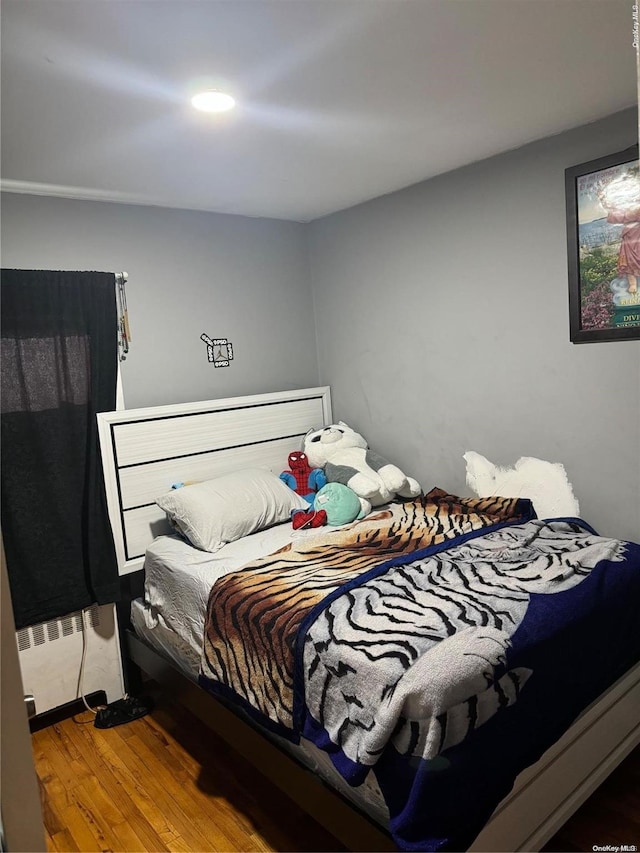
(106, 716)
(94, 711)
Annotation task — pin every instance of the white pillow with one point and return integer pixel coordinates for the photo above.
(212, 513)
(545, 483)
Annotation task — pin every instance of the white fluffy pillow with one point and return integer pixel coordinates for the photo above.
(545, 484)
(212, 513)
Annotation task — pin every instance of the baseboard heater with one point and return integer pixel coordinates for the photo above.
(50, 655)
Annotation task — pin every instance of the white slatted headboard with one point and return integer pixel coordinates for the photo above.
(146, 451)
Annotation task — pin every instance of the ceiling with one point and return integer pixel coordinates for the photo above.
(339, 101)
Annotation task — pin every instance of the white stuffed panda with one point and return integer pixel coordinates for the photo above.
(345, 458)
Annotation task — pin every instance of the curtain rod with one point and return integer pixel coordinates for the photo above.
(124, 334)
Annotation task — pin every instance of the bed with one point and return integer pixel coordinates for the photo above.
(146, 451)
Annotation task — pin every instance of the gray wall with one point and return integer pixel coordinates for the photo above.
(442, 317)
(229, 276)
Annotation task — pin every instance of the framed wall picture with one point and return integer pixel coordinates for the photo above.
(603, 242)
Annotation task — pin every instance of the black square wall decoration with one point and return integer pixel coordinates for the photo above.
(219, 350)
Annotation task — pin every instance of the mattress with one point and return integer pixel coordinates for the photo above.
(170, 619)
(178, 578)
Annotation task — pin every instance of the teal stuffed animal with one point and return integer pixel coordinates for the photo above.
(341, 504)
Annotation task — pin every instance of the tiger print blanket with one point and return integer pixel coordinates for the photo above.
(426, 643)
(254, 614)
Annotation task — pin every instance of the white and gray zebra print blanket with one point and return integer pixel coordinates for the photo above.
(417, 655)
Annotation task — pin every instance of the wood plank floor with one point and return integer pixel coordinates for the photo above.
(165, 782)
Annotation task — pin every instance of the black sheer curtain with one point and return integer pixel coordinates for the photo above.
(59, 367)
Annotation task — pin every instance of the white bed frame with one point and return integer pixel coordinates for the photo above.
(145, 451)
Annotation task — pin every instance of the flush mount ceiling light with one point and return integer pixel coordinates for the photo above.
(213, 101)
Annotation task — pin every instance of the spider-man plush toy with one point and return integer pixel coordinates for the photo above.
(302, 478)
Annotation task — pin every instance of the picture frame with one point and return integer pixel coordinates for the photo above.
(603, 248)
